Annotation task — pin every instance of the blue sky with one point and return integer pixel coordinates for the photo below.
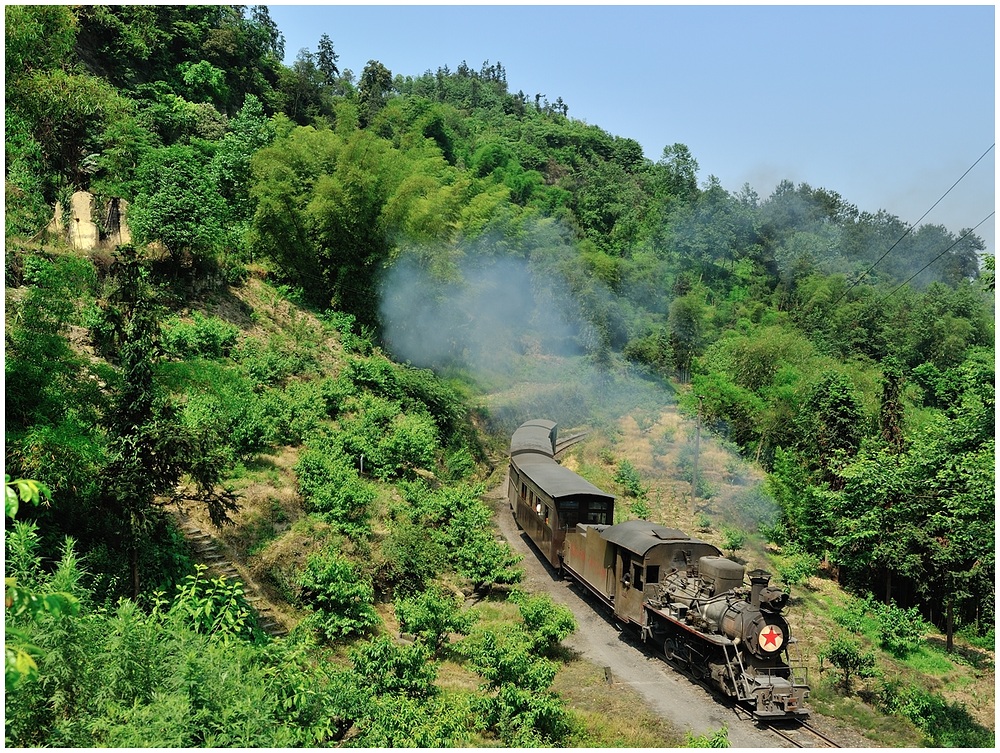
(887, 105)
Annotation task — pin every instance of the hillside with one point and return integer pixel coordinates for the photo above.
(310, 313)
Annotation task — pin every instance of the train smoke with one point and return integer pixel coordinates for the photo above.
(517, 324)
(511, 322)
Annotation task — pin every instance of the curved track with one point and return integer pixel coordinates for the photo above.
(668, 693)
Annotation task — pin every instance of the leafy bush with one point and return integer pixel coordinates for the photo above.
(640, 509)
(733, 539)
(390, 441)
(216, 607)
(412, 559)
(345, 324)
(546, 622)
(945, 724)
(796, 566)
(900, 631)
(979, 638)
(521, 710)
(331, 486)
(399, 721)
(627, 475)
(855, 617)
(718, 739)
(273, 362)
(385, 668)
(432, 615)
(235, 419)
(846, 655)
(204, 337)
(456, 517)
(344, 601)
(460, 464)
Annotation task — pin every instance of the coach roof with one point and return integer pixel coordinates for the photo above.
(538, 435)
(556, 481)
(640, 536)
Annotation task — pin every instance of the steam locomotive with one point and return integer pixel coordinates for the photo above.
(679, 592)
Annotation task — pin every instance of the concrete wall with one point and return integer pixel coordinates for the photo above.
(82, 232)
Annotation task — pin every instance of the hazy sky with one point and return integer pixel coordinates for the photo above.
(887, 105)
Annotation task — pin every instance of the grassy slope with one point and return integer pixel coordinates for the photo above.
(272, 535)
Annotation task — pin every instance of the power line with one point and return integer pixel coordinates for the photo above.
(911, 227)
(967, 234)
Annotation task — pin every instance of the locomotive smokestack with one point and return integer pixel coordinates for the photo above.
(758, 582)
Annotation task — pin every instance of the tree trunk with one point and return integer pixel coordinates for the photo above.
(888, 586)
(133, 556)
(949, 625)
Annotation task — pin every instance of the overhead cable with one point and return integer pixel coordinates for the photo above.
(911, 227)
(967, 234)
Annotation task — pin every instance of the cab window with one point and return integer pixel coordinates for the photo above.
(637, 581)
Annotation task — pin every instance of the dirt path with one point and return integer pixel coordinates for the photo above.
(670, 695)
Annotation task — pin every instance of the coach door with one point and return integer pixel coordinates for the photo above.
(631, 571)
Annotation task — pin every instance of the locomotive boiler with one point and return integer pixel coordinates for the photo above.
(678, 592)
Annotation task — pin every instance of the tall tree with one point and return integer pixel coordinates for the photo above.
(178, 202)
(149, 448)
(326, 60)
(677, 174)
(374, 88)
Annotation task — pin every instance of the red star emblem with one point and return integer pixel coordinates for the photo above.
(771, 637)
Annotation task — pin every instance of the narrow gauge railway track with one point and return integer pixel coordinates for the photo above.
(799, 734)
(804, 736)
(565, 443)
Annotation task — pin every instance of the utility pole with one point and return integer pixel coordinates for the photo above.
(697, 450)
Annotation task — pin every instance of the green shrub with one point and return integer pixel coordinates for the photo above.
(390, 442)
(640, 509)
(344, 601)
(976, 636)
(457, 519)
(330, 485)
(205, 337)
(854, 617)
(718, 739)
(520, 709)
(412, 559)
(846, 655)
(460, 464)
(432, 615)
(945, 724)
(235, 419)
(273, 362)
(900, 631)
(546, 622)
(385, 668)
(216, 607)
(627, 475)
(733, 539)
(399, 721)
(796, 566)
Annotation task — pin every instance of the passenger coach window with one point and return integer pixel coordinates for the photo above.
(598, 513)
(569, 513)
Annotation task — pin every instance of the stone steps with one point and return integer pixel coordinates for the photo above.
(207, 551)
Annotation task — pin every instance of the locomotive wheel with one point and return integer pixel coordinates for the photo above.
(670, 649)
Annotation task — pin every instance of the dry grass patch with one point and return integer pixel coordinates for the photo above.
(610, 715)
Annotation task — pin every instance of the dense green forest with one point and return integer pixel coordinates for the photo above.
(379, 252)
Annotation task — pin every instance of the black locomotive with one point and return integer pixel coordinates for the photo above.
(679, 592)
